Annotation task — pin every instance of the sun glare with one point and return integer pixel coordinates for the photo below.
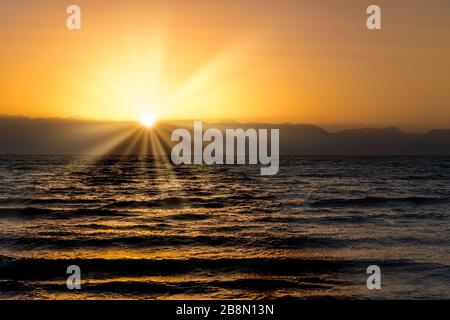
(148, 120)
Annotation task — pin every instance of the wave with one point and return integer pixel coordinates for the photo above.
(145, 287)
(23, 212)
(96, 226)
(192, 287)
(425, 177)
(34, 212)
(377, 202)
(141, 241)
(190, 217)
(27, 268)
(247, 197)
(192, 201)
(61, 240)
(265, 284)
(170, 202)
(47, 201)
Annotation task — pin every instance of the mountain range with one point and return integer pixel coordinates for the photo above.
(21, 135)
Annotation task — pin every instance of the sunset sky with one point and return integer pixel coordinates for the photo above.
(256, 60)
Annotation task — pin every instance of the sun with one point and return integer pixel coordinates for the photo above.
(148, 120)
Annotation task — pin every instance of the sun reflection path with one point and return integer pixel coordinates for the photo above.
(116, 135)
(148, 144)
(165, 172)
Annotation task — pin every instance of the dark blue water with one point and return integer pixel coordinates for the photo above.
(139, 227)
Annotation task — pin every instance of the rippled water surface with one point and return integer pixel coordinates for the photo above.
(139, 227)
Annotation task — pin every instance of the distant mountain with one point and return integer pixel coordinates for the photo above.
(21, 135)
(371, 132)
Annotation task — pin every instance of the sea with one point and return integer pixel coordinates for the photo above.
(138, 227)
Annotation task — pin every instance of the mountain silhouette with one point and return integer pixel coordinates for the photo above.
(21, 135)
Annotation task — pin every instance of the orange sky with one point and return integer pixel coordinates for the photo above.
(297, 61)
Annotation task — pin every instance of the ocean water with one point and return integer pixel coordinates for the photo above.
(141, 228)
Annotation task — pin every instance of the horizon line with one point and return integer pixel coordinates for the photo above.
(342, 127)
